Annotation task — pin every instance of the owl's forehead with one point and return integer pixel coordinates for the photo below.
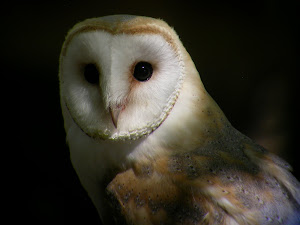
(123, 24)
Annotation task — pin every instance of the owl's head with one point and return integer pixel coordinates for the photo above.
(120, 76)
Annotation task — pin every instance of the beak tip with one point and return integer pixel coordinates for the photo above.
(114, 116)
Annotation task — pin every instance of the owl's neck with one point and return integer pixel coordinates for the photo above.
(183, 131)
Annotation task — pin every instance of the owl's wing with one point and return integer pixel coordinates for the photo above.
(227, 181)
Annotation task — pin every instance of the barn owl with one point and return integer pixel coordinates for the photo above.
(149, 144)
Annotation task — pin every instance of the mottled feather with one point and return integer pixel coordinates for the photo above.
(229, 180)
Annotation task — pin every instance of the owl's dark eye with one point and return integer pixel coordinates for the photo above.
(91, 73)
(143, 71)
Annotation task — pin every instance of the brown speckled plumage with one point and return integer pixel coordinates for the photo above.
(215, 184)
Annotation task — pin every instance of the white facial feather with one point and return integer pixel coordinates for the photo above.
(146, 104)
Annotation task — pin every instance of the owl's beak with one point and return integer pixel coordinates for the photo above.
(115, 115)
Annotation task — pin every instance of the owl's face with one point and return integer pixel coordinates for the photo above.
(119, 76)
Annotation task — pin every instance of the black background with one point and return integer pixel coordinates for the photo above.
(245, 53)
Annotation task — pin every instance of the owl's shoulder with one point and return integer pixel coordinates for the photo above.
(224, 181)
